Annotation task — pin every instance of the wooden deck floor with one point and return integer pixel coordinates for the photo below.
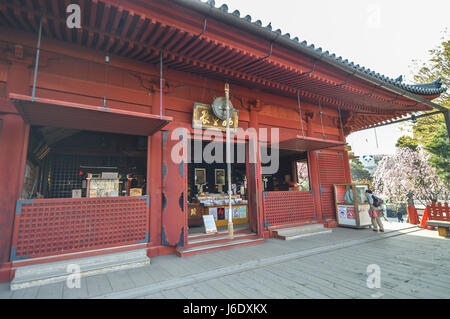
(414, 263)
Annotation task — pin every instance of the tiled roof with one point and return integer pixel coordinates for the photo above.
(432, 88)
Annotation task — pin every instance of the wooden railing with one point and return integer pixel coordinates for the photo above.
(439, 212)
(51, 227)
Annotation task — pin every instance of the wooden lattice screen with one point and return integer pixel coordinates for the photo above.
(50, 227)
(282, 208)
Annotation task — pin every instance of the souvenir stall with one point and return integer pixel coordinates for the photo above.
(209, 197)
(352, 208)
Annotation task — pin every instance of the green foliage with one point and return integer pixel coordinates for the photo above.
(431, 132)
(438, 66)
(409, 142)
(359, 173)
(439, 148)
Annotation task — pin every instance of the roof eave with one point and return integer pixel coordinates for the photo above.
(214, 12)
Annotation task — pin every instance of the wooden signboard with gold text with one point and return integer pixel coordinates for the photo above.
(204, 118)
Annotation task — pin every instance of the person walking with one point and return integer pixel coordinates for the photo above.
(400, 216)
(375, 211)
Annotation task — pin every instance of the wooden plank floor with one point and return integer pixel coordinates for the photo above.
(413, 263)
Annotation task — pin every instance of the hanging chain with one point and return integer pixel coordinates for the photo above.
(321, 119)
(340, 120)
(36, 66)
(161, 84)
(106, 79)
(300, 110)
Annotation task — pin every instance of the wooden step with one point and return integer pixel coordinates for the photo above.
(185, 252)
(301, 232)
(223, 238)
(218, 234)
(43, 274)
(274, 228)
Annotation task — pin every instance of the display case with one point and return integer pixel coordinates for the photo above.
(352, 208)
(102, 186)
(217, 205)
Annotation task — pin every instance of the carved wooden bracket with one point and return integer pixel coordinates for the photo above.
(308, 116)
(151, 84)
(248, 104)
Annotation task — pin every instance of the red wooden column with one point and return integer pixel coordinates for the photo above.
(315, 184)
(348, 174)
(13, 152)
(174, 230)
(257, 220)
(154, 187)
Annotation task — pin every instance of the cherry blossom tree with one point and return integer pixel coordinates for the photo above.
(408, 171)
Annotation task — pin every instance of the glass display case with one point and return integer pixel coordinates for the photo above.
(217, 205)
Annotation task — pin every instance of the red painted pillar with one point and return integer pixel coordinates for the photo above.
(348, 175)
(13, 149)
(315, 184)
(155, 176)
(258, 189)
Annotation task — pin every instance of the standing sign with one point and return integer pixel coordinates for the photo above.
(346, 215)
(210, 224)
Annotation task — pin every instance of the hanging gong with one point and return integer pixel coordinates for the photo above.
(220, 110)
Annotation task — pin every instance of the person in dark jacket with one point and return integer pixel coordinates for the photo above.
(400, 216)
(375, 212)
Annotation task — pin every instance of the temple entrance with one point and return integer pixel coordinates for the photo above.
(208, 186)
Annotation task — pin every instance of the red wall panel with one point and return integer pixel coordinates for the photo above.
(331, 171)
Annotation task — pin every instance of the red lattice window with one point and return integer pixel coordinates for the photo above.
(52, 227)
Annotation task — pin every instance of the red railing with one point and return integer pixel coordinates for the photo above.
(51, 227)
(293, 207)
(439, 212)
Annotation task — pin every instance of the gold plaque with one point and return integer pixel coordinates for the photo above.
(204, 118)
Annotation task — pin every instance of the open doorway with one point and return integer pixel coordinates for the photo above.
(67, 163)
(293, 173)
(208, 186)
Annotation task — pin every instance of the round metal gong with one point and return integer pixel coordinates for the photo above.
(220, 110)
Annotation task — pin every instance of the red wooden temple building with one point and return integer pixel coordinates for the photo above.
(89, 119)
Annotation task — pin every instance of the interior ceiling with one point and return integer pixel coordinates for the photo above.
(118, 31)
(53, 135)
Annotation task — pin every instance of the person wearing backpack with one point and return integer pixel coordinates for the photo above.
(375, 210)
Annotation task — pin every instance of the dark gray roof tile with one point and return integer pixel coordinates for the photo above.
(432, 88)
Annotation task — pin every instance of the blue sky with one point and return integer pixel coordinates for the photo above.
(383, 35)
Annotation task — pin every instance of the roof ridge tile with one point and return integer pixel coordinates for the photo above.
(435, 87)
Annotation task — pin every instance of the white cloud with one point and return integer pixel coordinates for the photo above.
(365, 142)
